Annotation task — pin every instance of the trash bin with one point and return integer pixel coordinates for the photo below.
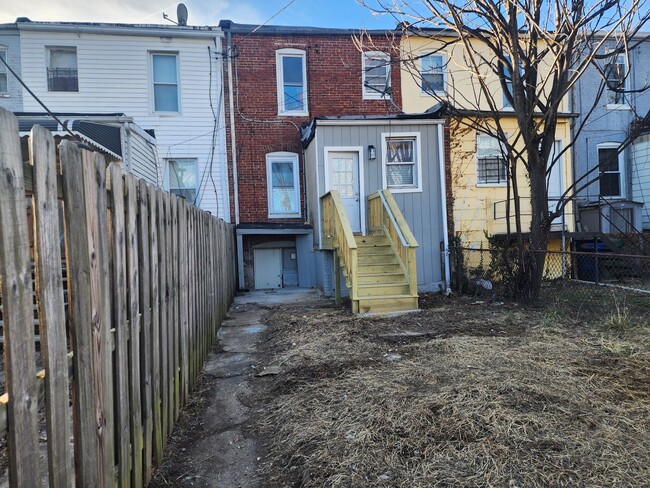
(590, 268)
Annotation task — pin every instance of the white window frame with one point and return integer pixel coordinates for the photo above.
(370, 94)
(48, 50)
(486, 184)
(282, 157)
(504, 100)
(4, 70)
(280, 54)
(445, 60)
(622, 187)
(620, 59)
(167, 182)
(152, 95)
(417, 165)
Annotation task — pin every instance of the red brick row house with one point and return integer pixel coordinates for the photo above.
(277, 79)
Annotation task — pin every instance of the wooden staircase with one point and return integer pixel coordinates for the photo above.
(379, 269)
(383, 285)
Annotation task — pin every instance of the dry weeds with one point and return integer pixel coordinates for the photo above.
(459, 394)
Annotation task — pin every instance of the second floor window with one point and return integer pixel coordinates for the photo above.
(610, 166)
(432, 72)
(376, 75)
(3, 72)
(165, 82)
(62, 72)
(616, 75)
(491, 162)
(292, 82)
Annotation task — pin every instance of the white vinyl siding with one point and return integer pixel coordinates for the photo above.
(116, 79)
(376, 75)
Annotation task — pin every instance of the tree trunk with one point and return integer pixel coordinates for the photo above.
(539, 228)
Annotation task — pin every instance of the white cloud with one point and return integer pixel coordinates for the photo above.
(201, 12)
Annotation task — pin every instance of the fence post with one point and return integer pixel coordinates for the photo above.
(18, 314)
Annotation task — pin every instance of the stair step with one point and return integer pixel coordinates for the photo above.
(364, 259)
(378, 268)
(395, 303)
(383, 289)
(375, 251)
(372, 241)
(377, 278)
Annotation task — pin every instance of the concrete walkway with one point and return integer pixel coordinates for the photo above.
(225, 456)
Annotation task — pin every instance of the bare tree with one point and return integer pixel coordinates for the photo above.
(537, 50)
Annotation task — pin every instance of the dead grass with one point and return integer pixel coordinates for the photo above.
(459, 394)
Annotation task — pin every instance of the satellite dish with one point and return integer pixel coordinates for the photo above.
(181, 14)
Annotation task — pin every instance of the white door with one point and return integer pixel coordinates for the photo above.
(268, 268)
(343, 170)
(556, 179)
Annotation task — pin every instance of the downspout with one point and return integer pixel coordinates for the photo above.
(233, 140)
(443, 197)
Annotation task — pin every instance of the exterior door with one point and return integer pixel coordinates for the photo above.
(343, 170)
(268, 268)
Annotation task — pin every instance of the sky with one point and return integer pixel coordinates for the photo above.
(317, 13)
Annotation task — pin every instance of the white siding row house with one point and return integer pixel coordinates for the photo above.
(166, 79)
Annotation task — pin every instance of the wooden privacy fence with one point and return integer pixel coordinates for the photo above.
(149, 279)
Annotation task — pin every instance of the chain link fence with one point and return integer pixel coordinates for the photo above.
(596, 282)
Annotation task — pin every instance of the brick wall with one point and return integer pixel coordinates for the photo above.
(334, 87)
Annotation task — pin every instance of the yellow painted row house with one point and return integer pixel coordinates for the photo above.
(435, 68)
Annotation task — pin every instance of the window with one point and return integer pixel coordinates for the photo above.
(3, 72)
(184, 178)
(401, 158)
(376, 75)
(165, 82)
(616, 73)
(282, 185)
(508, 77)
(491, 161)
(62, 69)
(291, 75)
(610, 166)
(432, 72)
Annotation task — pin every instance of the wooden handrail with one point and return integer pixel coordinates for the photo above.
(398, 219)
(385, 216)
(336, 227)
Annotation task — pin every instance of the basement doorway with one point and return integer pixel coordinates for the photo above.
(275, 265)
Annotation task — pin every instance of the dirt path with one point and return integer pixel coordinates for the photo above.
(212, 445)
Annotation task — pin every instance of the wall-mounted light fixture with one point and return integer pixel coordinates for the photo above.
(372, 153)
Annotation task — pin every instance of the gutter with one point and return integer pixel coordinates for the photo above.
(443, 197)
(134, 30)
(233, 140)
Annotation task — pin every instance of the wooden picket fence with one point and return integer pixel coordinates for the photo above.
(148, 279)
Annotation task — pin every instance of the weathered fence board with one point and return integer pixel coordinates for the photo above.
(51, 308)
(148, 282)
(18, 311)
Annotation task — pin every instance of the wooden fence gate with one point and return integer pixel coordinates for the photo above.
(126, 314)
